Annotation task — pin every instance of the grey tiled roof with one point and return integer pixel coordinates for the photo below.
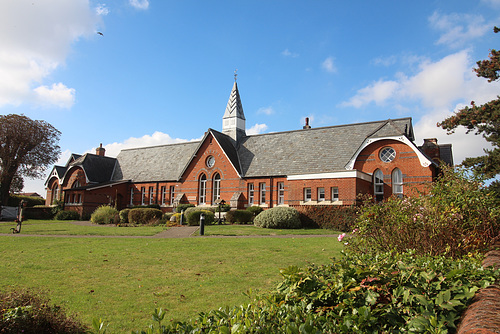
(158, 163)
(97, 168)
(316, 150)
(227, 145)
(446, 154)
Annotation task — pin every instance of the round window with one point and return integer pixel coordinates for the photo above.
(210, 161)
(387, 154)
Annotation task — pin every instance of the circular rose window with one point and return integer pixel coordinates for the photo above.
(210, 161)
(387, 154)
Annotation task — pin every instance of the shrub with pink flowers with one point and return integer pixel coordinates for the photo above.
(456, 216)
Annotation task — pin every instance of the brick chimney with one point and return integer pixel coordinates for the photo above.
(307, 126)
(100, 151)
(431, 148)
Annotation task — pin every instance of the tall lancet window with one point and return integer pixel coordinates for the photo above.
(216, 188)
(203, 189)
(378, 185)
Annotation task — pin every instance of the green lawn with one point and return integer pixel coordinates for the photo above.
(240, 230)
(58, 227)
(123, 280)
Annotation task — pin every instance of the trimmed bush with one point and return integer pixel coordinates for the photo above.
(144, 216)
(193, 218)
(67, 215)
(255, 210)
(280, 217)
(181, 207)
(239, 216)
(338, 218)
(38, 212)
(105, 215)
(124, 216)
(30, 200)
(28, 312)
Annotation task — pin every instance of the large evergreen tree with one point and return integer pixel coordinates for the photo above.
(27, 148)
(483, 119)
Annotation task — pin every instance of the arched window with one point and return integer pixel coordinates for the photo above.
(203, 189)
(55, 193)
(216, 188)
(378, 185)
(397, 182)
(76, 184)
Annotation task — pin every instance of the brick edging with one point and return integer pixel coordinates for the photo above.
(483, 315)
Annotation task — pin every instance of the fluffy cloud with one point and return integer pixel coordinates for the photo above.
(377, 92)
(266, 110)
(36, 38)
(328, 65)
(256, 129)
(458, 29)
(287, 53)
(139, 4)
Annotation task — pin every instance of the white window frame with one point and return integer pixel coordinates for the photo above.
(397, 182)
(307, 194)
(335, 194)
(163, 192)
(202, 190)
(378, 183)
(281, 193)
(151, 195)
(216, 188)
(321, 194)
(172, 195)
(251, 192)
(262, 193)
(131, 196)
(143, 195)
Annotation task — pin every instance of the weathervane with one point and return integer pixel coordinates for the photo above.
(235, 74)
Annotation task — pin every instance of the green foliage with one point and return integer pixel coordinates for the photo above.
(123, 214)
(29, 312)
(225, 207)
(239, 216)
(144, 216)
(388, 293)
(105, 215)
(455, 217)
(58, 206)
(31, 201)
(279, 217)
(39, 212)
(150, 206)
(193, 217)
(67, 215)
(181, 207)
(255, 210)
(338, 218)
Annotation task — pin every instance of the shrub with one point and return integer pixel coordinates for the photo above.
(457, 216)
(193, 218)
(28, 312)
(338, 218)
(144, 216)
(225, 208)
(255, 210)
(280, 217)
(124, 216)
(239, 216)
(30, 200)
(181, 207)
(67, 215)
(105, 215)
(39, 212)
(149, 206)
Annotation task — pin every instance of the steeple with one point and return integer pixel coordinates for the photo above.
(233, 122)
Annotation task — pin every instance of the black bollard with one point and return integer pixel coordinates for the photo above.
(182, 216)
(202, 224)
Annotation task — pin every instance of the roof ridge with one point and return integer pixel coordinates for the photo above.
(162, 145)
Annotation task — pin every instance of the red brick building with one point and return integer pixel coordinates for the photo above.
(311, 166)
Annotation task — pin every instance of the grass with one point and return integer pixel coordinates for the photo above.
(60, 227)
(123, 280)
(243, 230)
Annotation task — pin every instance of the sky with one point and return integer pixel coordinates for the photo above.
(133, 73)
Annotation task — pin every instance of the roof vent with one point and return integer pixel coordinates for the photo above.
(307, 126)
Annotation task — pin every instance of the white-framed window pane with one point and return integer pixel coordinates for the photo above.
(172, 195)
(335, 194)
(151, 195)
(281, 193)
(387, 154)
(203, 189)
(397, 182)
(321, 194)
(378, 184)
(250, 193)
(216, 188)
(262, 193)
(163, 193)
(307, 194)
(143, 195)
(131, 196)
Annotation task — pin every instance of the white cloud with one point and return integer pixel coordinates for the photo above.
(57, 95)
(377, 92)
(385, 61)
(328, 65)
(458, 29)
(36, 38)
(101, 9)
(287, 53)
(266, 110)
(492, 3)
(256, 129)
(139, 4)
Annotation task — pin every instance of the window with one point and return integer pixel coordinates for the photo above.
(335, 194)
(307, 194)
(216, 188)
(378, 184)
(387, 154)
(262, 193)
(151, 195)
(143, 195)
(172, 195)
(250, 193)
(397, 182)
(79, 198)
(163, 192)
(321, 194)
(203, 189)
(76, 184)
(281, 193)
(131, 196)
(55, 193)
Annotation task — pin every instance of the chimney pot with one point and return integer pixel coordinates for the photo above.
(307, 126)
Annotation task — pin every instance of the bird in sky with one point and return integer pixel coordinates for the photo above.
(100, 33)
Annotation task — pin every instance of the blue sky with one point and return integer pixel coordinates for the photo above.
(161, 72)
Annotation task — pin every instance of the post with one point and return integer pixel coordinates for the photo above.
(202, 224)
(182, 216)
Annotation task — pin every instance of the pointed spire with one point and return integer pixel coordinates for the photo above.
(234, 106)
(233, 121)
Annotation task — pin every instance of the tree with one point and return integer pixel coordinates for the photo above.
(27, 148)
(483, 119)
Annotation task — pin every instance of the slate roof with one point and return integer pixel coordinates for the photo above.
(309, 151)
(157, 163)
(97, 168)
(446, 154)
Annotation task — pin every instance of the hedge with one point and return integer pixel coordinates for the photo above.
(67, 215)
(239, 216)
(193, 218)
(144, 216)
(31, 200)
(280, 217)
(338, 218)
(39, 212)
(181, 207)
